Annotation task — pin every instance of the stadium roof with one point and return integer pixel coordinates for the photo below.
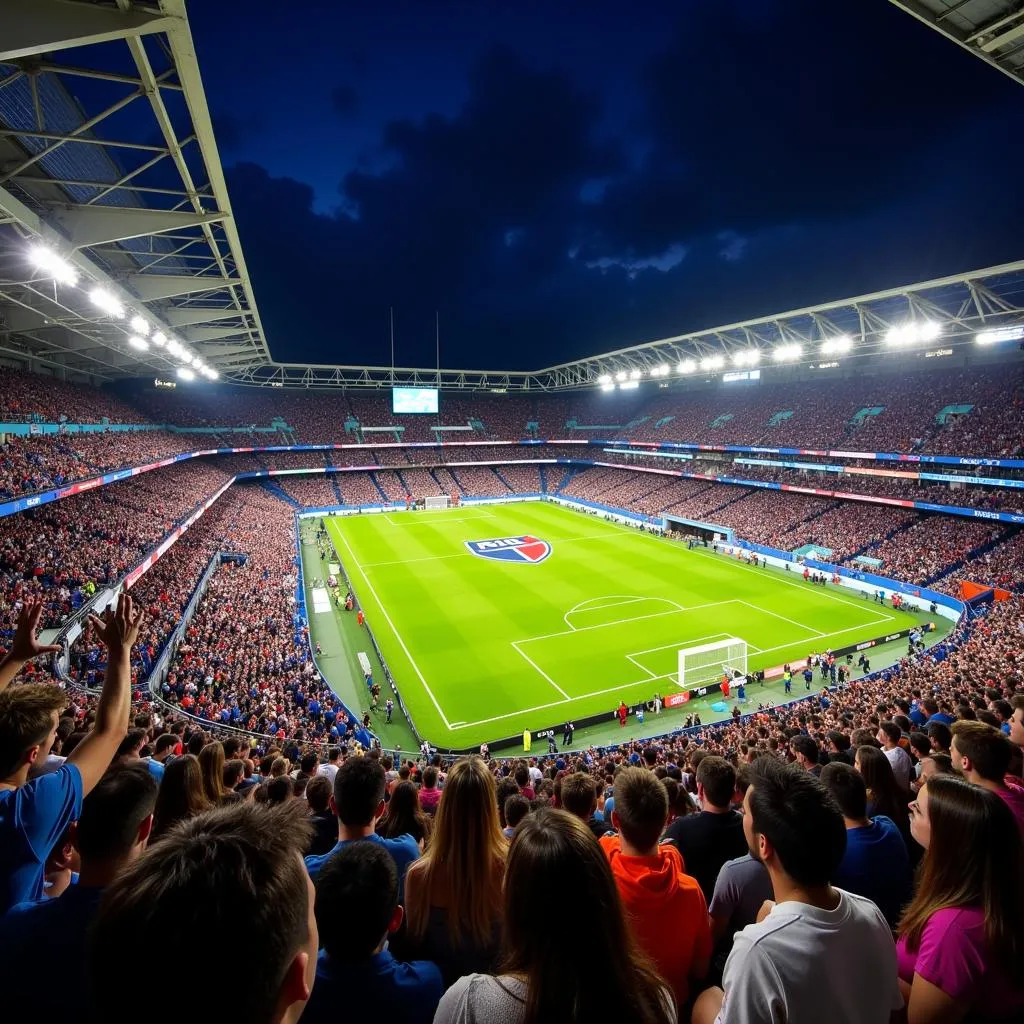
(107, 156)
(990, 29)
(109, 171)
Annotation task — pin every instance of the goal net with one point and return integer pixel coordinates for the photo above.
(707, 663)
(436, 501)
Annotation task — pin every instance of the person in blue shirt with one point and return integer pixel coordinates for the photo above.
(111, 834)
(358, 801)
(876, 864)
(34, 814)
(357, 908)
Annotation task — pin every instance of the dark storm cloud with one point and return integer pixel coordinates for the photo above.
(779, 159)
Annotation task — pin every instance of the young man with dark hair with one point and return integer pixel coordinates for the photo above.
(516, 808)
(579, 797)
(110, 835)
(708, 839)
(806, 753)
(325, 824)
(876, 864)
(34, 814)
(235, 868)
(357, 909)
(889, 736)
(358, 801)
(816, 953)
(665, 907)
(983, 754)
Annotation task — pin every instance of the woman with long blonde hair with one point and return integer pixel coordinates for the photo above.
(596, 974)
(211, 761)
(453, 892)
(961, 938)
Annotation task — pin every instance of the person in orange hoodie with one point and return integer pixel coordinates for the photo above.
(663, 904)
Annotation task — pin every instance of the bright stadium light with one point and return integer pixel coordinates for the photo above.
(608, 387)
(687, 366)
(661, 370)
(620, 376)
(187, 358)
(140, 343)
(102, 299)
(211, 373)
(712, 362)
(837, 346)
(159, 339)
(787, 353)
(605, 378)
(929, 330)
(629, 385)
(139, 326)
(56, 266)
(185, 374)
(635, 374)
(173, 347)
(999, 334)
(748, 357)
(910, 334)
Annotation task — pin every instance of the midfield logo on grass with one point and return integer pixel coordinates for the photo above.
(511, 549)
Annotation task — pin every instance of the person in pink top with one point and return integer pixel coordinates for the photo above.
(983, 754)
(961, 938)
(430, 795)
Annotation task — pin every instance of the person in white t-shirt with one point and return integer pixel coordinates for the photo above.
(816, 953)
(902, 767)
(330, 768)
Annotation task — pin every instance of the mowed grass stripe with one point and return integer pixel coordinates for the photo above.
(459, 614)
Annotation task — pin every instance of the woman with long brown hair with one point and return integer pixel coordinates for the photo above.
(211, 761)
(885, 796)
(599, 975)
(180, 796)
(453, 892)
(961, 938)
(404, 816)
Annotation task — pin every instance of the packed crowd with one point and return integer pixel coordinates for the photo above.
(867, 839)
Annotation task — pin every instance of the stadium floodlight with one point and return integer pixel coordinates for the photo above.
(620, 376)
(787, 353)
(211, 373)
(929, 330)
(629, 385)
(687, 366)
(173, 347)
(608, 387)
(712, 362)
(159, 339)
(102, 299)
(605, 378)
(185, 373)
(187, 358)
(140, 343)
(139, 326)
(998, 334)
(837, 346)
(661, 370)
(635, 374)
(909, 334)
(56, 266)
(747, 357)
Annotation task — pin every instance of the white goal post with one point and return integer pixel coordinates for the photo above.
(707, 663)
(436, 501)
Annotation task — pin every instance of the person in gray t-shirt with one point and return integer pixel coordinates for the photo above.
(741, 888)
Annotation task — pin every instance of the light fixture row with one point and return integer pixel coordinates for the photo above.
(143, 334)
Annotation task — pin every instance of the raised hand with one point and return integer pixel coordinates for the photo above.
(119, 628)
(26, 645)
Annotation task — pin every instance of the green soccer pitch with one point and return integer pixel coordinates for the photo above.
(482, 649)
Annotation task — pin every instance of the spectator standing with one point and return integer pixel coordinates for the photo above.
(430, 795)
(357, 909)
(553, 861)
(358, 801)
(889, 735)
(181, 795)
(236, 867)
(708, 839)
(111, 834)
(34, 815)
(961, 940)
(812, 931)
(330, 767)
(983, 754)
(664, 905)
(453, 893)
(321, 817)
(579, 796)
(875, 864)
(403, 816)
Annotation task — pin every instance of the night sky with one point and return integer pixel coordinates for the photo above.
(558, 179)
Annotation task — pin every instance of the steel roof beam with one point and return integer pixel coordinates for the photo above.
(43, 26)
(151, 287)
(98, 225)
